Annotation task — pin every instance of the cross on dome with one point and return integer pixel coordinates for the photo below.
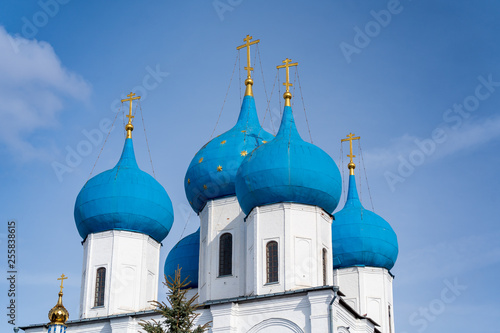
(248, 81)
(287, 95)
(247, 39)
(129, 127)
(351, 164)
(62, 278)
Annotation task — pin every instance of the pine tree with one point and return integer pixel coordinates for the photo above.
(179, 314)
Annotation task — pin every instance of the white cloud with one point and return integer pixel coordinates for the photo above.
(471, 134)
(450, 258)
(33, 86)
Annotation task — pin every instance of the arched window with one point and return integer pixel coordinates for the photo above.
(100, 282)
(226, 254)
(325, 262)
(272, 261)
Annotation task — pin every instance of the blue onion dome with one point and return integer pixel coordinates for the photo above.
(124, 198)
(288, 169)
(361, 237)
(213, 169)
(185, 255)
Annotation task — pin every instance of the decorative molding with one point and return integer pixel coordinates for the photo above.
(276, 322)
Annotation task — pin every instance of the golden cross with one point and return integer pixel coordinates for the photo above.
(129, 127)
(62, 278)
(247, 39)
(287, 65)
(130, 98)
(351, 137)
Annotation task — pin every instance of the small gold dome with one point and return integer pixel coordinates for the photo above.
(58, 314)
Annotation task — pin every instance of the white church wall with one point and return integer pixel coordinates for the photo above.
(302, 232)
(131, 261)
(368, 290)
(303, 311)
(217, 218)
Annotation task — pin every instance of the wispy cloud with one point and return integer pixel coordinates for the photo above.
(450, 258)
(469, 136)
(33, 88)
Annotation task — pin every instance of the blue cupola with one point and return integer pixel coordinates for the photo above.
(186, 255)
(288, 169)
(213, 169)
(361, 237)
(124, 198)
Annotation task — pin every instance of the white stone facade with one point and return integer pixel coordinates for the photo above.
(302, 232)
(303, 299)
(299, 311)
(368, 290)
(131, 261)
(219, 217)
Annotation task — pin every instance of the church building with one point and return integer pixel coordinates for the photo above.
(272, 254)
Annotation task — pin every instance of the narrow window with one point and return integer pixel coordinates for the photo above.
(99, 286)
(390, 320)
(324, 266)
(226, 254)
(272, 261)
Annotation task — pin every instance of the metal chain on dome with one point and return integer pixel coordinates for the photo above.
(366, 176)
(225, 97)
(360, 188)
(147, 142)
(183, 230)
(268, 99)
(303, 104)
(342, 168)
(279, 93)
(239, 72)
(104, 143)
(268, 106)
(123, 119)
(294, 86)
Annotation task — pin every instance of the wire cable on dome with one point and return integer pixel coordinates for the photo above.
(104, 143)
(225, 97)
(268, 105)
(268, 99)
(239, 73)
(303, 104)
(366, 176)
(147, 142)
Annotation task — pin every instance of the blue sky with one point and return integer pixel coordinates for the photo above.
(418, 80)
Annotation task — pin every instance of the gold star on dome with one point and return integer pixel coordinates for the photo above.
(243, 153)
(243, 131)
(189, 181)
(219, 168)
(264, 141)
(200, 160)
(205, 187)
(223, 142)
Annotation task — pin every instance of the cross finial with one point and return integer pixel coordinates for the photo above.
(287, 95)
(351, 164)
(248, 81)
(62, 278)
(129, 127)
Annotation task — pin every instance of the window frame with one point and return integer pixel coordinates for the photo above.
(272, 277)
(225, 254)
(100, 287)
(324, 260)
